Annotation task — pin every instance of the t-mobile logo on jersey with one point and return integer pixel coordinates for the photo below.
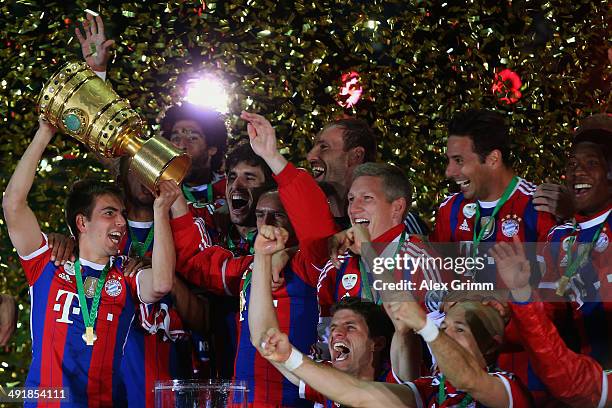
(65, 307)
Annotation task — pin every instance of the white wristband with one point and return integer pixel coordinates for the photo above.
(295, 360)
(430, 332)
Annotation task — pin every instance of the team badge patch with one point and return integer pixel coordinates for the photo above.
(510, 227)
(602, 242)
(112, 287)
(90, 286)
(469, 210)
(69, 268)
(488, 226)
(349, 281)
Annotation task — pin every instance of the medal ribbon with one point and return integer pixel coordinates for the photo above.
(191, 198)
(247, 279)
(89, 317)
(476, 239)
(366, 289)
(140, 247)
(250, 238)
(574, 264)
(442, 394)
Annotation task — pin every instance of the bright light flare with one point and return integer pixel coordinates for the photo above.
(208, 92)
(351, 89)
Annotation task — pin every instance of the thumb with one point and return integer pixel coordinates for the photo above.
(108, 44)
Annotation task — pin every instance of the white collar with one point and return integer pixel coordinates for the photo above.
(140, 224)
(594, 221)
(92, 265)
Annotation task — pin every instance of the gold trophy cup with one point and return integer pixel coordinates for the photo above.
(78, 102)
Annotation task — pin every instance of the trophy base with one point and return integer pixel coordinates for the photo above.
(156, 161)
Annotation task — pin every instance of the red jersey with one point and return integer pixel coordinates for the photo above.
(335, 284)
(586, 241)
(517, 216)
(426, 389)
(151, 352)
(219, 271)
(60, 357)
(576, 379)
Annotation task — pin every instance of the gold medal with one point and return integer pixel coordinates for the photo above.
(562, 285)
(89, 337)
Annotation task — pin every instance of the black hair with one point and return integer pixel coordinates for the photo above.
(209, 120)
(82, 197)
(487, 129)
(374, 315)
(356, 133)
(243, 153)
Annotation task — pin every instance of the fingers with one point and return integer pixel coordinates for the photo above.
(251, 131)
(108, 44)
(100, 25)
(518, 246)
(66, 251)
(80, 37)
(281, 235)
(93, 26)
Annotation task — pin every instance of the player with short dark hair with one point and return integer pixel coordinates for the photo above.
(81, 312)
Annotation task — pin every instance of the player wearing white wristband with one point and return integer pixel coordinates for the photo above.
(464, 347)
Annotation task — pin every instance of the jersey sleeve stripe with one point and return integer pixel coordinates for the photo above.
(38, 251)
(225, 288)
(604, 390)
(417, 395)
(507, 387)
(138, 288)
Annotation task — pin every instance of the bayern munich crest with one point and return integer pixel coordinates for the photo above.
(112, 287)
(510, 226)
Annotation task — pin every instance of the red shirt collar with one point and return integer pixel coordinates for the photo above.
(584, 218)
(390, 234)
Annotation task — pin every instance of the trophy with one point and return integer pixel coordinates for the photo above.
(78, 102)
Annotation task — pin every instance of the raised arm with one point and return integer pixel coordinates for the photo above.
(262, 315)
(293, 184)
(158, 282)
(21, 222)
(263, 141)
(340, 387)
(94, 45)
(458, 365)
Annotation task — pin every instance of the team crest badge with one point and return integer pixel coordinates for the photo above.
(469, 210)
(112, 287)
(488, 225)
(602, 242)
(510, 226)
(90, 286)
(349, 281)
(69, 268)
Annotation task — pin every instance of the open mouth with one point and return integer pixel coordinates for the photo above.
(581, 189)
(318, 170)
(341, 350)
(115, 237)
(463, 184)
(361, 221)
(239, 201)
